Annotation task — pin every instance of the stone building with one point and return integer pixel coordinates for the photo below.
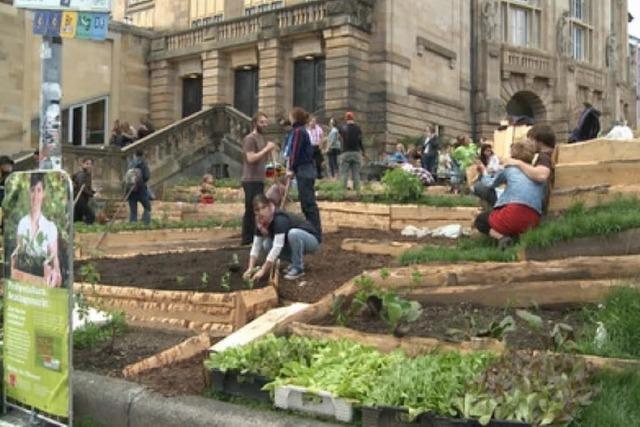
(463, 65)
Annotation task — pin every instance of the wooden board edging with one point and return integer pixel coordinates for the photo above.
(411, 346)
(616, 244)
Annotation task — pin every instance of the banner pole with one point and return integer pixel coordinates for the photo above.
(50, 148)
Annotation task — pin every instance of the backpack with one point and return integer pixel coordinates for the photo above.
(133, 179)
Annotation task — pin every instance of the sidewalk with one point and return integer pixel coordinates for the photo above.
(112, 402)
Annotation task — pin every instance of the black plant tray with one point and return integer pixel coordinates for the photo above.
(237, 384)
(393, 417)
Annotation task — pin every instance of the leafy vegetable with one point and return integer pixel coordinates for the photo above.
(539, 389)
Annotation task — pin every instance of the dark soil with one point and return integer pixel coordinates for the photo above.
(437, 321)
(325, 271)
(183, 378)
(131, 347)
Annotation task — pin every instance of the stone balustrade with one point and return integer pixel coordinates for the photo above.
(301, 17)
(527, 61)
(167, 151)
(589, 77)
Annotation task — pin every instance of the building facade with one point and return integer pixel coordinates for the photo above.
(462, 65)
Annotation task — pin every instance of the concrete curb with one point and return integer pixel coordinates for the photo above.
(114, 402)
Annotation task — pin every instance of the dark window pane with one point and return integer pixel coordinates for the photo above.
(76, 132)
(191, 95)
(95, 122)
(309, 84)
(245, 95)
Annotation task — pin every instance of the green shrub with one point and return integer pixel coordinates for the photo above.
(478, 249)
(401, 186)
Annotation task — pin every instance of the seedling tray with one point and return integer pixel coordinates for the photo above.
(317, 403)
(395, 417)
(235, 383)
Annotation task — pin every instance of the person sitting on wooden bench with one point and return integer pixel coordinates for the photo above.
(282, 235)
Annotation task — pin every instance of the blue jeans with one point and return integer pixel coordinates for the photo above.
(142, 197)
(299, 243)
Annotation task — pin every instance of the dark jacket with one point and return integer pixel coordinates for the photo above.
(301, 150)
(432, 149)
(83, 178)
(144, 168)
(351, 138)
(588, 126)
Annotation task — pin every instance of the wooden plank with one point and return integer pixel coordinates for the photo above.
(412, 346)
(355, 207)
(623, 243)
(183, 351)
(601, 149)
(376, 247)
(590, 196)
(259, 327)
(523, 294)
(619, 172)
(420, 212)
(256, 302)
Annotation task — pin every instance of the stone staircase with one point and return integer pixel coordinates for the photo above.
(209, 140)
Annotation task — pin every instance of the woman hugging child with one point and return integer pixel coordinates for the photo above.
(519, 207)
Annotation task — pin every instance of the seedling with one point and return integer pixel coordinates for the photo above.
(234, 267)
(180, 280)
(204, 279)
(384, 273)
(225, 281)
(89, 273)
(416, 277)
(249, 283)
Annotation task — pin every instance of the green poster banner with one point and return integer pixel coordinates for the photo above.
(38, 267)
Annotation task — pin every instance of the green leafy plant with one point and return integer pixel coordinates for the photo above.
(480, 249)
(384, 273)
(225, 281)
(89, 273)
(204, 279)
(429, 383)
(496, 329)
(402, 186)
(92, 334)
(539, 389)
(180, 280)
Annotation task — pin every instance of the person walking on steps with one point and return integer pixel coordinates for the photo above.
(136, 180)
(255, 152)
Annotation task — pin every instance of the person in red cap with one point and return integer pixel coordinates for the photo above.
(352, 151)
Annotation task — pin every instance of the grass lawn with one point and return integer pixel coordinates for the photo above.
(619, 215)
(616, 405)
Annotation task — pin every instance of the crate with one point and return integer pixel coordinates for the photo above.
(396, 417)
(235, 383)
(316, 403)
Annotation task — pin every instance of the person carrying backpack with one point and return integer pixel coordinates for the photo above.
(83, 193)
(136, 188)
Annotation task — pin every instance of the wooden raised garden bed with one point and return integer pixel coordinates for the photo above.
(393, 217)
(147, 241)
(623, 243)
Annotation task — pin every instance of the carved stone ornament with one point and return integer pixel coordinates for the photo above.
(490, 10)
(612, 51)
(562, 35)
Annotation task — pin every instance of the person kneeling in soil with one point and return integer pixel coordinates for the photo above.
(283, 235)
(519, 207)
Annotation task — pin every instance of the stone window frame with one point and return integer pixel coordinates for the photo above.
(533, 9)
(582, 23)
(201, 19)
(67, 134)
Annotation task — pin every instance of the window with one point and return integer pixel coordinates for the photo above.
(520, 21)
(86, 124)
(245, 94)
(581, 31)
(204, 12)
(309, 84)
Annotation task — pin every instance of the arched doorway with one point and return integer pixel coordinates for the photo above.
(525, 103)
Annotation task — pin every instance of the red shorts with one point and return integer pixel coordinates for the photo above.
(513, 219)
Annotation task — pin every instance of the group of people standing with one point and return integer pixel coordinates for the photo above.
(266, 226)
(123, 133)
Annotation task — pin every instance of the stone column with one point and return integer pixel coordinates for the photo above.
(346, 68)
(271, 78)
(216, 81)
(162, 93)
